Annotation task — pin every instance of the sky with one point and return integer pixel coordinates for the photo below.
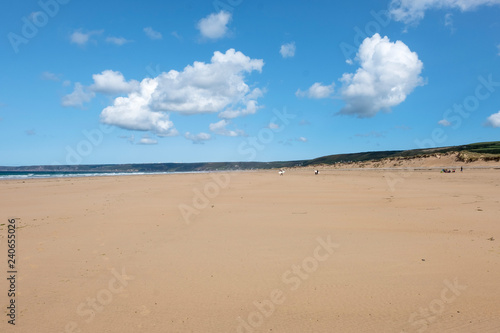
(107, 82)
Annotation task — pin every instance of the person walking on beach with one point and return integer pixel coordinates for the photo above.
(461, 169)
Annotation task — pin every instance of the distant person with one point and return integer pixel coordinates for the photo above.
(461, 169)
(316, 172)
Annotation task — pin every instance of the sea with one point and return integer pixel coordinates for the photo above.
(59, 174)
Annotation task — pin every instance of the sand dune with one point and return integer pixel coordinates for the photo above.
(343, 251)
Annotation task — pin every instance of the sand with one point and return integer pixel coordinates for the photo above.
(343, 251)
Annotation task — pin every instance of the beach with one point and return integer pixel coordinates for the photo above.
(342, 251)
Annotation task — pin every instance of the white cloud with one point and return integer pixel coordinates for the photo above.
(198, 138)
(151, 33)
(498, 47)
(79, 96)
(317, 91)
(117, 40)
(302, 139)
(412, 11)
(146, 140)
(48, 76)
(493, 120)
(176, 35)
(273, 126)
(388, 72)
(82, 38)
(448, 21)
(215, 87)
(208, 87)
(287, 50)
(133, 112)
(214, 26)
(113, 82)
(220, 128)
(444, 122)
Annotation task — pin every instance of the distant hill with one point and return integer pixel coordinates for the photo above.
(466, 153)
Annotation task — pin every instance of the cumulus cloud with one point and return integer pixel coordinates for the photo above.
(48, 76)
(199, 138)
(317, 91)
(220, 128)
(152, 34)
(214, 26)
(215, 87)
(302, 139)
(146, 140)
(412, 11)
(208, 87)
(444, 122)
(117, 40)
(78, 97)
(493, 120)
(82, 38)
(388, 72)
(287, 50)
(133, 112)
(113, 82)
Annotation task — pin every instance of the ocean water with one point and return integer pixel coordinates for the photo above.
(58, 174)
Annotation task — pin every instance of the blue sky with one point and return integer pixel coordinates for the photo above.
(87, 82)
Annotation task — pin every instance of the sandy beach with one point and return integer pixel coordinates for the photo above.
(343, 251)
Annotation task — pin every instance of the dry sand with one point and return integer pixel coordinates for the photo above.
(344, 251)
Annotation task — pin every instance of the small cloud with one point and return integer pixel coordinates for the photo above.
(493, 120)
(316, 91)
(152, 34)
(176, 35)
(129, 138)
(48, 76)
(198, 138)
(349, 61)
(82, 38)
(146, 140)
(214, 26)
(113, 82)
(30, 132)
(448, 22)
(273, 126)
(403, 127)
(79, 96)
(498, 48)
(66, 83)
(287, 50)
(444, 122)
(220, 129)
(302, 139)
(373, 134)
(117, 40)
